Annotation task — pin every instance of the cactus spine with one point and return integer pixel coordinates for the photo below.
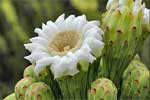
(39, 91)
(11, 97)
(136, 82)
(22, 86)
(102, 89)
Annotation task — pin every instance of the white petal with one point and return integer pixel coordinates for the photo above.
(89, 26)
(93, 33)
(39, 32)
(33, 46)
(60, 22)
(95, 45)
(69, 22)
(40, 49)
(36, 56)
(84, 54)
(138, 6)
(95, 22)
(39, 40)
(41, 64)
(110, 3)
(100, 31)
(52, 26)
(137, 2)
(50, 29)
(67, 65)
(84, 57)
(79, 23)
(146, 17)
(121, 2)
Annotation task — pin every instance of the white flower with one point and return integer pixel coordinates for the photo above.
(65, 43)
(146, 17)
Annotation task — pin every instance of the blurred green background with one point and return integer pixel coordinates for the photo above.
(18, 18)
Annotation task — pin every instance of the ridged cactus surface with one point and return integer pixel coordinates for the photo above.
(124, 36)
(22, 86)
(11, 97)
(102, 89)
(29, 71)
(39, 91)
(136, 82)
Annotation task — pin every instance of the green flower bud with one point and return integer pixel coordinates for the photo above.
(39, 91)
(11, 97)
(29, 71)
(136, 82)
(102, 89)
(22, 86)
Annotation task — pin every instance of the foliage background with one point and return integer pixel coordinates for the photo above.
(18, 18)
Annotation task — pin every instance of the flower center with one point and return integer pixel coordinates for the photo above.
(65, 41)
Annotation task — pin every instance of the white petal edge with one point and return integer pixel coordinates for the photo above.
(36, 56)
(60, 22)
(39, 40)
(146, 17)
(95, 45)
(43, 63)
(69, 22)
(93, 33)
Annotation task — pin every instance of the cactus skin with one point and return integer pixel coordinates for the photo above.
(29, 72)
(123, 38)
(11, 97)
(22, 86)
(88, 7)
(136, 82)
(39, 91)
(102, 89)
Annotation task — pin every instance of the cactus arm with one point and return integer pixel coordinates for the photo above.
(11, 17)
(10, 97)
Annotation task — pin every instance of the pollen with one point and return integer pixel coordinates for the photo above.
(65, 41)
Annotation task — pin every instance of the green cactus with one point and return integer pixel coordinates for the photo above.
(22, 86)
(102, 89)
(11, 16)
(124, 37)
(29, 71)
(39, 91)
(88, 7)
(11, 97)
(136, 82)
(3, 45)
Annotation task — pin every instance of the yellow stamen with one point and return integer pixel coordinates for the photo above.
(65, 41)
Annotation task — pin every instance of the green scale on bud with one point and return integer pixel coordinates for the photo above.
(11, 97)
(136, 82)
(39, 91)
(102, 89)
(29, 71)
(123, 38)
(22, 86)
